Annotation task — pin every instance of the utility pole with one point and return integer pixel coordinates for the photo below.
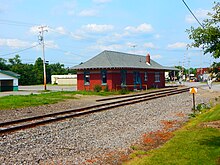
(189, 67)
(43, 29)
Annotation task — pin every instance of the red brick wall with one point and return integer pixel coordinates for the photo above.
(114, 79)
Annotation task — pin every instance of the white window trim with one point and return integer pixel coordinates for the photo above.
(157, 76)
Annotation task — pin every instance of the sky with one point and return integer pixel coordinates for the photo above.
(77, 30)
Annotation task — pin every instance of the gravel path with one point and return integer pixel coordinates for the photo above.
(76, 141)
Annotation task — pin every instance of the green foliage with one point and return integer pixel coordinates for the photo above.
(215, 69)
(202, 106)
(97, 88)
(123, 91)
(208, 36)
(3, 65)
(32, 74)
(106, 89)
(199, 108)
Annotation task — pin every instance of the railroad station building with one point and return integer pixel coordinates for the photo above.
(117, 70)
(8, 81)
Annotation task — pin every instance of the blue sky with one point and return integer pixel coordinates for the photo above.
(80, 29)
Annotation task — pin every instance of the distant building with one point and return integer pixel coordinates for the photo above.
(202, 74)
(64, 79)
(8, 81)
(117, 70)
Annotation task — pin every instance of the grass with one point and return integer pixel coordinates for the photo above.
(19, 101)
(192, 144)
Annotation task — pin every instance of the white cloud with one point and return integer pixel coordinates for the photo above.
(131, 44)
(88, 13)
(157, 36)
(77, 36)
(149, 45)
(177, 45)
(95, 28)
(34, 29)
(143, 28)
(69, 7)
(14, 43)
(156, 56)
(201, 14)
(115, 47)
(102, 1)
(51, 44)
(60, 30)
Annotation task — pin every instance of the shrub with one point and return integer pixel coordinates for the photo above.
(123, 91)
(97, 88)
(106, 88)
(202, 106)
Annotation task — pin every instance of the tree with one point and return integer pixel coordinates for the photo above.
(38, 71)
(208, 36)
(25, 71)
(3, 65)
(15, 61)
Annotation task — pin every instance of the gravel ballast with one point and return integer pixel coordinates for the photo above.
(75, 141)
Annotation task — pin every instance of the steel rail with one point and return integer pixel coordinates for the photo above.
(78, 109)
(12, 126)
(139, 94)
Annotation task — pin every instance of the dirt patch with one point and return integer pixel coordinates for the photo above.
(213, 124)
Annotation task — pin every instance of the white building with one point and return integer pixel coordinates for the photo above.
(64, 79)
(8, 81)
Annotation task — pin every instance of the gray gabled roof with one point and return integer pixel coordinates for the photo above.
(112, 60)
(10, 73)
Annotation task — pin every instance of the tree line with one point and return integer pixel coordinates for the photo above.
(32, 74)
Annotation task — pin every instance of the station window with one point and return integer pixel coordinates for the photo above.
(104, 76)
(86, 78)
(137, 78)
(123, 77)
(145, 76)
(157, 76)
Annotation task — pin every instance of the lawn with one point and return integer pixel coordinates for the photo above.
(10, 102)
(195, 143)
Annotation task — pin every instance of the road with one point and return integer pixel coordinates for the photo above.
(35, 89)
(215, 86)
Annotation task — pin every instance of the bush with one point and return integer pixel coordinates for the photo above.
(97, 88)
(123, 91)
(202, 106)
(106, 88)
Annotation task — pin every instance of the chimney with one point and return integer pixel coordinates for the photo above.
(148, 59)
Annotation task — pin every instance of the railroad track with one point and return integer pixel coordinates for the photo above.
(25, 123)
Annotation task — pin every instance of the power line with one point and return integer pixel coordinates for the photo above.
(192, 14)
(64, 51)
(16, 23)
(22, 50)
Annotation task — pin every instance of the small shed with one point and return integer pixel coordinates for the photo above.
(117, 70)
(8, 81)
(64, 79)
